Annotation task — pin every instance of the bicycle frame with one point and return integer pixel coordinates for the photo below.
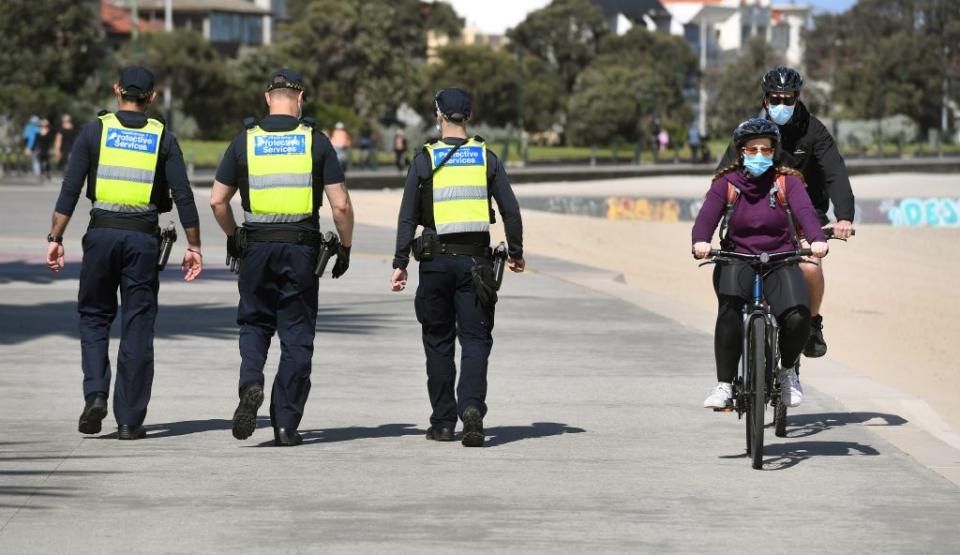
(758, 309)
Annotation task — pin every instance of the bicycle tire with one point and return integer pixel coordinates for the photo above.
(780, 419)
(757, 392)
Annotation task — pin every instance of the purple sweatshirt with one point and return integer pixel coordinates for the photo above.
(755, 227)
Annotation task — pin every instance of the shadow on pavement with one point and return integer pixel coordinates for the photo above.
(805, 425)
(502, 435)
(788, 455)
(38, 273)
(350, 433)
(21, 323)
(187, 427)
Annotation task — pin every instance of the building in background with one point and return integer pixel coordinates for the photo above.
(227, 24)
(622, 15)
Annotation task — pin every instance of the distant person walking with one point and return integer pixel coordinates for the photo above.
(341, 141)
(693, 139)
(63, 143)
(400, 150)
(42, 146)
(663, 139)
(30, 131)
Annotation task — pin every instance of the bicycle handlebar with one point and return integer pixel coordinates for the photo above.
(829, 233)
(762, 258)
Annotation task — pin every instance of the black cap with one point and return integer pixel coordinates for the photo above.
(453, 103)
(285, 79)
(136, 81)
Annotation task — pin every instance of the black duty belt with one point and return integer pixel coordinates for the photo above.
(128, 224)
(465, 250)
(310, 238)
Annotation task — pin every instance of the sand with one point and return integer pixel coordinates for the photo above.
(891, 309)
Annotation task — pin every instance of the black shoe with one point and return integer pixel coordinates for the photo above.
(472, 428)
(283, 437)
(131, 432)
(245, 417)
(440, 432)
(93, 413)
(816, 346)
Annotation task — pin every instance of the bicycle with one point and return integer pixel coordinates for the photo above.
(758, 382)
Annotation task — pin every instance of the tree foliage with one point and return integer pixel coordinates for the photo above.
(491, 77)
(735, 93)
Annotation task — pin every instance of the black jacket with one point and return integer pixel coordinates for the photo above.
(807, 146)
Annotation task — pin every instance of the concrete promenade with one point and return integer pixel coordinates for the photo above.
(596, 439)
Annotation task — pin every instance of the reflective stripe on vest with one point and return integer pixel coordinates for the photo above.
(280, 165)
(127, 165)
(460, 201)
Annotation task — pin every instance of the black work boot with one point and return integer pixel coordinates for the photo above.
(440, 432)
(127, 432)
(245, 417)
(283, 437)
(93, 413)
(816, 346)
(472, 427)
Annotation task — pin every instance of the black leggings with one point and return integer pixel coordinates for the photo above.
(785, 291)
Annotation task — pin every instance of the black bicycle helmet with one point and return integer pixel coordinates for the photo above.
(755, 128)
(782, 79)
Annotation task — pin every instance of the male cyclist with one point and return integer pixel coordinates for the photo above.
(807, 146)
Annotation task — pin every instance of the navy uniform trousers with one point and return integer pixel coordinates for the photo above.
(112, 259)
(278, 293)
(448, 309)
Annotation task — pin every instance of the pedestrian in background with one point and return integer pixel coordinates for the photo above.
(42, 147)
(29, 135)
(400, 150)
(693, 139)
(63, 143)
(341, 141)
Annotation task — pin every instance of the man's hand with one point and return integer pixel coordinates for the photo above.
(398, 282)
(516, 264)
(701, 250)
(819, 248)
(55, 257)
(192, 264)
(342, 263)
(842, 229)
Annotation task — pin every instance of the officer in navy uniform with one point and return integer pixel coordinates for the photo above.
(282, 167)
(448, 191)
(131, 164)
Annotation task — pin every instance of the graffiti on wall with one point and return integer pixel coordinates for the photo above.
(922, 212)
(645, 209)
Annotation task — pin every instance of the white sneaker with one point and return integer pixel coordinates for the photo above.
(791, 392)
(720, 397)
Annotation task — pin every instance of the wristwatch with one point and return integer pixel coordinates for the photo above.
(51, 238)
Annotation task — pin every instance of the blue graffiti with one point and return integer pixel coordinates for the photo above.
(929, 212)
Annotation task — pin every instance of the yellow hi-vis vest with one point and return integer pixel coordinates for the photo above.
(127, 165)
(460, 201)
(280, 165)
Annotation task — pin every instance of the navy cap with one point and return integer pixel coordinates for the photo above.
(285, 79)
(453, 103)
(136, 81)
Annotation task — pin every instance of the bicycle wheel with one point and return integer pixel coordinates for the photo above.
(780, 419)
(757, 391)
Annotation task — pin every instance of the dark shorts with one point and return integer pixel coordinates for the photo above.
(783, 288)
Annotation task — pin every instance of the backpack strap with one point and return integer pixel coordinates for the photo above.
(733, 193)
(778, 195)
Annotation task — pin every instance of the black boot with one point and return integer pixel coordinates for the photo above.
(440, 432)
(93, 413)
(131, 432)
(245, 417)
(472, 427)
(816, 346)
(283, 437)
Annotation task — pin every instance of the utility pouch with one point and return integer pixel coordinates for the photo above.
(499, 262)
(329, 245)
(167, 238)
(484, 285)
(235, 251)
(426, 245)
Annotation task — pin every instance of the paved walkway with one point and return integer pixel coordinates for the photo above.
(596, 438)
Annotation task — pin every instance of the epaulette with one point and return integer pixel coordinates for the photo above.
(160, 119)
(102, 113)
(433, 141)
(309, 122)
(249, 122)
(479, 139)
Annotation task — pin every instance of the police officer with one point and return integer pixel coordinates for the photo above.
(806, 145)
(282, 167)
(448, 191)
(131, 164)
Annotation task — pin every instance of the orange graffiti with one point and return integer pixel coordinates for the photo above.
(619, 208)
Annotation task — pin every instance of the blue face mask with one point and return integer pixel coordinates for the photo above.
(757, 164)
(781, 113)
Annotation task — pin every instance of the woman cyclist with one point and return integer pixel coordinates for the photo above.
(758, 222)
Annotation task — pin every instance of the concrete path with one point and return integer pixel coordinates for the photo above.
(595, 442)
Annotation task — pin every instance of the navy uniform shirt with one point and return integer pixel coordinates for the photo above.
(417, 207)
(171, 174)
(234, 172)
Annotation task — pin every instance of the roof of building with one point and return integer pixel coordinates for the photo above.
(117, 21)
(204, 6)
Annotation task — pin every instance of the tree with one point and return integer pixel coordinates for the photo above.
(53, 57)
(491, 77)
(564, 35)
(736, 94)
